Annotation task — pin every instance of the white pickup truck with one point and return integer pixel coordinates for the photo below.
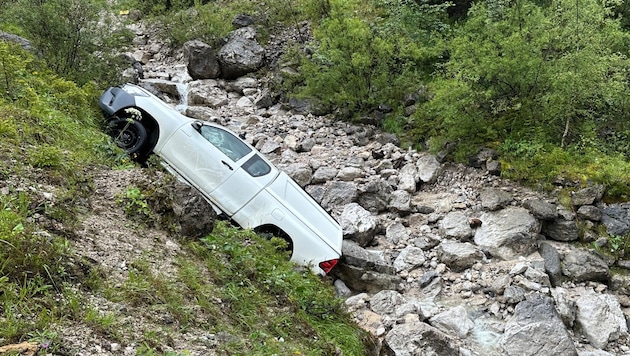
(236, 179)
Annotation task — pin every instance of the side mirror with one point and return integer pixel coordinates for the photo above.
(197, 125)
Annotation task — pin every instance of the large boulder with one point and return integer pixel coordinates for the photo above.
(459, 256)
(583, 265)
(616, 219)
(339, 194)
(453, 321)
(508, 233)
(536, 329)
(358, 224)
(241, 54)
(202, 60)
(429, 168)
(21, 41)
(417, 338)
(600, 318)
(456, 225)
(494, 198)
(561, 230)
(181, 208)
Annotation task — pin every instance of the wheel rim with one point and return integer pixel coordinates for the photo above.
(126, 138)
(125, 135)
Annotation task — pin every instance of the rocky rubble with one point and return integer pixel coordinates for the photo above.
(439, 258)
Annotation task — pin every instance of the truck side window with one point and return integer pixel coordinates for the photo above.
(227, 143)
(256, 167)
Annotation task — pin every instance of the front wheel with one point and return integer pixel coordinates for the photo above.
(128, 134)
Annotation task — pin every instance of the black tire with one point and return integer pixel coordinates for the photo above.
(128, 134)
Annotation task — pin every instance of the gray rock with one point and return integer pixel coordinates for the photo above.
(300, 172)
(427, 278)
(507, 233)
(588, 196)
(459, 256)
(589, 212)
(408, 177)
(349, 173)
(396, 232)
(595, 353)
(400, 202)
(428, 168)
(243, 20)
(264, 99)
(565, 306)
(362, 279)
(339, 194)
(206, 93)
(385, 302)
(241, 54)
(536, 329)
(375, 195)
(417, 338)
(541, 209)
(341, 289)
(455, 225)
(358, 224)
(581, 265)
(182, 208)
(494, 199)
(269, 146)
(513, 294)
(453, 321)
(160, 87)
(493, 167)
(409, 258)
(616, 219)
(306, 145)
(357, 256)
(324, 174)
(23, 42)
(561, 230)
(600, 318)
(620, 282)
(242, 85)
(202, 60)
(552, 262)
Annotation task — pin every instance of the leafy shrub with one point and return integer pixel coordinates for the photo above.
(358, 65)
(79, 47)
(135, 204)
(46, 156)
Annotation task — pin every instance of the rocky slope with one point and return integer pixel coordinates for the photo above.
(440, 259)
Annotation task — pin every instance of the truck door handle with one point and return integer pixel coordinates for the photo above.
(227, 165)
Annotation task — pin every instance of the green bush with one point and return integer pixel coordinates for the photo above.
(359, 63)
(80, 47)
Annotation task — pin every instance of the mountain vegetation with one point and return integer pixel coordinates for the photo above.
(543, 82)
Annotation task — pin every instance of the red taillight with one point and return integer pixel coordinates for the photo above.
(328, 265)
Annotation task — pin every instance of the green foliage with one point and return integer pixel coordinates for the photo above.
(522, 72)
(135, 204)
(207, 23)
(358, 65)
(619, 245)
(79, 47)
